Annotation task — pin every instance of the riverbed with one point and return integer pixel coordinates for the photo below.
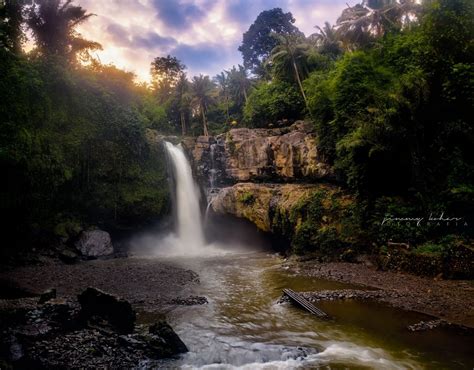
(245, 324)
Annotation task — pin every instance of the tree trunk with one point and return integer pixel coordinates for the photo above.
(300, 84)
(245, 95)
(227, 109)
(204, 121)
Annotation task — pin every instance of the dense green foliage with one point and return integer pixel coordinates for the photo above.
(389, 87)
(325, 222)
(73, 141)
(73, 147)
(389, 118)
(273, 101)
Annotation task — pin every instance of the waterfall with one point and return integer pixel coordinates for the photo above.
(212, 191)
(212, 170)
(190, 235)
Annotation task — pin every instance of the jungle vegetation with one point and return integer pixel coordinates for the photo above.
(389, 88)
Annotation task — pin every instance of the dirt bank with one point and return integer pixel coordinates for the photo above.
(451, 300)
(148, 284)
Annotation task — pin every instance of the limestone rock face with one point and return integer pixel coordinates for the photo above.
(95, 243)
(243, 154)
(247, 200)
(303, 217)
(259, 203)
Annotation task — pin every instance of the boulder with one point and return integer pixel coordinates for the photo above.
(64, 334)
(159, 342)
(47, 295)
(95, 243)
(97, 306)
(68, 256)
(164, 337)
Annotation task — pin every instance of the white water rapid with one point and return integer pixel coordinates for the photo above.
(189, 233)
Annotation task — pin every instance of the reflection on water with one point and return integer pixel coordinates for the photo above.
(244, 325)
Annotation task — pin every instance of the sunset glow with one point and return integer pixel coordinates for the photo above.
(204, 34)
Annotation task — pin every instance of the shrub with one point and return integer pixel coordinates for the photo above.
(247, 198)
(270, 102)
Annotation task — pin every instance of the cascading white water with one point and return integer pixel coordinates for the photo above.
(212, 170)
(190, 235)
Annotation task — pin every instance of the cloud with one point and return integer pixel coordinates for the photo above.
(153, 40)
(203, 34)
(203, 58)
(118, 34)
(177, 14)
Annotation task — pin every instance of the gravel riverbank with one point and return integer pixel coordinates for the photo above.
(450, 300)
(148, 284)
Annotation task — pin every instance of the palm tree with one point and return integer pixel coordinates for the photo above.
(326, 40)
(11, 19)
(222, 81)
(360, 24)
(289, 57)
(202, 97)
(54, 23)
(239, 83)
(183, 100)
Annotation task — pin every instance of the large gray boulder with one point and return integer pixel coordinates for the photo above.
(95, 243)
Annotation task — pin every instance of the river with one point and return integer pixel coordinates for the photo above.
(245, 326)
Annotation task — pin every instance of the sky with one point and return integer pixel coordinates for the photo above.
(203, 34)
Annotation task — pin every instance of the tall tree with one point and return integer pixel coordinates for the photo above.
(202, 97)
(166, 72)
(11, 18)
(327, 41)
(54, 24)
(182, 100)
(222, 81)
(258, 41)
(360, 24)
(289, 58)
(239, 84)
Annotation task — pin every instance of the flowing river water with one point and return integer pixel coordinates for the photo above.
(244, 325)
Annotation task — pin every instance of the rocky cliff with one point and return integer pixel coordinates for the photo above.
(278, 155)
(310, 216)
(276, 179)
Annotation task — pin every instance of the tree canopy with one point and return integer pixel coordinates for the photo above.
(258, 41)
(54, 23)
